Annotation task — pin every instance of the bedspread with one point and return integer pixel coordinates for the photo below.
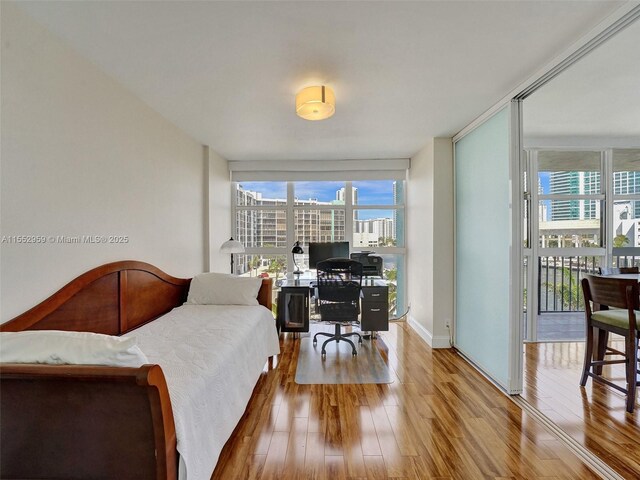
(211, 356)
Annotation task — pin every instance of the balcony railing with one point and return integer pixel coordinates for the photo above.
(622, 260)
(559, 282)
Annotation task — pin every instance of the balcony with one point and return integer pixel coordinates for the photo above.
(560, 299)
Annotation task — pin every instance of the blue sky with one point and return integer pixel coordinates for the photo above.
(375, 192)
(544, 181)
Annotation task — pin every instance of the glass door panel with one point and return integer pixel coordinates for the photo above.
(483, 246)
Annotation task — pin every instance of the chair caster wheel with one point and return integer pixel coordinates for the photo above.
(324, 354)
(354, 353)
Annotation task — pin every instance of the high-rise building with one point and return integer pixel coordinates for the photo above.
(542, 207)
(373, 232)
(625, 212)
(585, 183)
(574, 183)
(341, 195)
(268, 227)
(398, 217)
(625, 183)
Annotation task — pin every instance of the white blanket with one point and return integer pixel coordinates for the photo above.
(211, 356)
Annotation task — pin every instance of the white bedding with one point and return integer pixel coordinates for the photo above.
(211, 356)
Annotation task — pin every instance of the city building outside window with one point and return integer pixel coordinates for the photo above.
(626, 207)
(271, 216)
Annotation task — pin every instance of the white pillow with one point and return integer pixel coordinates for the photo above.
(59, 347)
(223, 289)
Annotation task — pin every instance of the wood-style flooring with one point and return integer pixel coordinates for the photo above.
(440, 419)
(595, 415)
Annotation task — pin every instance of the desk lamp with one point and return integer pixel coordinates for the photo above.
(296, 250)
(232, 246)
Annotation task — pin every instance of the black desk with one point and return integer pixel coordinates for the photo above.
(293, 304)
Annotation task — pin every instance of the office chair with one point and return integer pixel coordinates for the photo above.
(339, 284)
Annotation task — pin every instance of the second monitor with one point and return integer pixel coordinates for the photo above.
(322, 251)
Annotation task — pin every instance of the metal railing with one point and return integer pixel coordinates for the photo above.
(559, 288)
(625, 261)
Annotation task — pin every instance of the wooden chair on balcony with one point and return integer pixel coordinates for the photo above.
(617, 271)
(611, 306)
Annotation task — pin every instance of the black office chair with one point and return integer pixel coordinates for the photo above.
(338, 293)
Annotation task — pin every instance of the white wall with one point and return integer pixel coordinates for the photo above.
(430, 241)
(219, 215)
(81, 155)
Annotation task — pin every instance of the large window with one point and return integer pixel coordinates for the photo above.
(270, 216)
(569, 199)
(588, 217)
(626, 207)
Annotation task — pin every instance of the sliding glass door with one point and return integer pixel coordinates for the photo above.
(585, 206)
(488, 305)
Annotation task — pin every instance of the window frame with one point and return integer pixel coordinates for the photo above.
(622, 251)
(596, 197)
(290, 207)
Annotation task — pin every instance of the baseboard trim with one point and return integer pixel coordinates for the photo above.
(441, 341)
(434, 341)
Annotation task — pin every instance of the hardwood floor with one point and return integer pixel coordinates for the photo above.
(594, 416)
(439, 419)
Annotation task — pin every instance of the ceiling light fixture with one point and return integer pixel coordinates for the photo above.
(315, 103)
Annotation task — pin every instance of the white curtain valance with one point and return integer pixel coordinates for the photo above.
(306, 170)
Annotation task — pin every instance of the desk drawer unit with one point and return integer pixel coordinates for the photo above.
(293, 309)
(375, 294)
(375, 309)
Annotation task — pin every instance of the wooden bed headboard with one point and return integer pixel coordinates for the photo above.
(112, 299)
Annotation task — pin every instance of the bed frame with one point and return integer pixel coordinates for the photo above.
(81, 421)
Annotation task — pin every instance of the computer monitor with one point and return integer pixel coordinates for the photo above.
(322, 251)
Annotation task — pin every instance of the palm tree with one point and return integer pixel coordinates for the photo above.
(391, 274)
(386, 242)
(254, 264)
(568, 289)
(276, 266)
(620, 241)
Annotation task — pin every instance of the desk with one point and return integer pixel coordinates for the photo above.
(374, 306)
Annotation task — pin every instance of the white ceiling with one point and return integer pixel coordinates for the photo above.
(595, 99)
(227, 72)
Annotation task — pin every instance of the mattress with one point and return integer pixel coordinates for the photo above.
(212, 357)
